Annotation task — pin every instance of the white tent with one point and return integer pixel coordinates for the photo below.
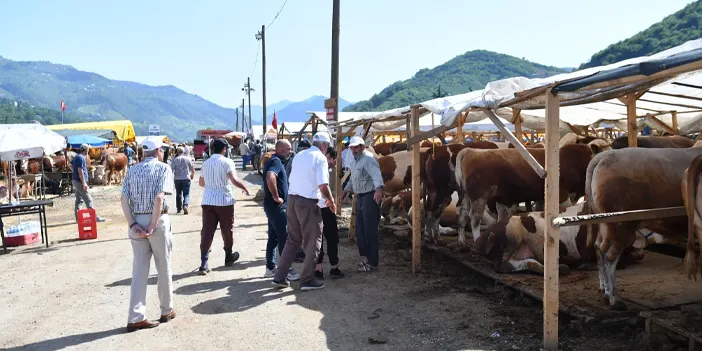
(24, 141)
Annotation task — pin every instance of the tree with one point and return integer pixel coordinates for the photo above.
(439, 94)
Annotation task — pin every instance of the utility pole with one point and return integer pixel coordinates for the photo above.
(334, 96)
(262, 37)
(236, 121)
(243, 116)
(247, 89)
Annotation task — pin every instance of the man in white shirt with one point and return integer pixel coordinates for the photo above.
(218, 203)
(309, 181)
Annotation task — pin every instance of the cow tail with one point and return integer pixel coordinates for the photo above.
(590, 241)
(691, 262)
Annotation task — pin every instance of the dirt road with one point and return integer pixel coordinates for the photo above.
(75, 295)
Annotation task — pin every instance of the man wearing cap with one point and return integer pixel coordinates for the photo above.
(80, 181)
(218, 203)
(144, 206)
(183, 172)
(309, 182)
(367, 183)
(302, 145)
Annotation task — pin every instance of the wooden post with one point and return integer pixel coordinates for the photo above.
(460, 137)
(416, 195)
(352, 223)
(630, 102)
(337, 181)
(517, 121)
(551, 236)
(674, 116)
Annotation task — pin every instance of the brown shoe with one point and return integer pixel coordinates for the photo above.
(185, 210)
(145, 324)
(168, 317)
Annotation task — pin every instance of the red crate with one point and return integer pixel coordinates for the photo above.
(22, 240)
(87, 224)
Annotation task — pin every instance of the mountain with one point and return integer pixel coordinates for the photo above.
(296, 112)
(92, 97)
(672, 31)
(464, 73)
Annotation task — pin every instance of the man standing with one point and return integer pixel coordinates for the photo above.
(301, 146)
(80, 181)
(244, 152)
(367, 183)
(309, 182)
(275, 196)
(218, 203)
(129, 152)
(183, 172)
(330, 231)
(258, 151)
(346, 158)
(251, 152)
(145, 209)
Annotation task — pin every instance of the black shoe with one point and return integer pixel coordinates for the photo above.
(313, 284)
(280, 285)
(203, 270)
(336, 273)
(318, 275)
(231, 258)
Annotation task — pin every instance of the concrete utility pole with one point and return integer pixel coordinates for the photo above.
(243, 116)
(334, 95)
(236, 121)
(247, 89)
(262, 37)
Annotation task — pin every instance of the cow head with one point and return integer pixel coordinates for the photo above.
(493, 243)
(598, 145)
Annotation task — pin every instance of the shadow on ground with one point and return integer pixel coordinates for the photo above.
(69, 341)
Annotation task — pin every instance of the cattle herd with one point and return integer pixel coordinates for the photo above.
(491, 190)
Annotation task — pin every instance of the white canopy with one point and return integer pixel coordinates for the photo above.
(23, 141)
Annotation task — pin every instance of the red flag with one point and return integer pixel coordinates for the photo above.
(275, 121)
(63, 106)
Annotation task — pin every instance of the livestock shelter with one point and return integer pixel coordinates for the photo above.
(123, 130)
(663, 89)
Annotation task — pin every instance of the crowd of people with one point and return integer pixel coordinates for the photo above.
(298, 203)
(251, 152)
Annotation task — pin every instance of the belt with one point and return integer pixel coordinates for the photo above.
(366, 193)
(148, 213)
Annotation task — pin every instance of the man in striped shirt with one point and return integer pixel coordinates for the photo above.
(144, 206)
(183, 172)
(218, 203)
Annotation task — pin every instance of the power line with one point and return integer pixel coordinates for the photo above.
(256, 60)
(278, 14)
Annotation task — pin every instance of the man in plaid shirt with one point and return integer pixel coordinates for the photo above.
(144, 206)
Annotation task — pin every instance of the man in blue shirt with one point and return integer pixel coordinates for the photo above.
(275, 201)
(129, 152)
(80, 181)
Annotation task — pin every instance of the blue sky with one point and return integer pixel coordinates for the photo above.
(208, 47)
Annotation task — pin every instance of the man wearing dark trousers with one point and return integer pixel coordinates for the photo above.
(330, 232)
(367, 183)
(218, 203)
(309, 182)
(275, 196)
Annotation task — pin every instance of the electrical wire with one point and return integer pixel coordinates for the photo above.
(278, 14)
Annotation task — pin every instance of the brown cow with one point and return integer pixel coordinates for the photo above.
(504, 176)
(115, 163)
(440, 182)
(517, 243)
(396, 170)
(634, 179)
(384, 149)
(654, 142)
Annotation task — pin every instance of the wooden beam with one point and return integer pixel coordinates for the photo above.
(662, 124)
(624, 216)
(460, 137)
(517, 145)
(517, 121)
(414, 139)
(676, 95)
(367, 130)
(551, 235)
(337, 170)
(674, 116)
(416, 194)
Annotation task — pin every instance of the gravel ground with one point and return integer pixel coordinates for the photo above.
(75, 294)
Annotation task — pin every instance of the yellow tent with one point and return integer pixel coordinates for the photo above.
(123, 129)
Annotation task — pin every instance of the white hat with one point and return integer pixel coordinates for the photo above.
(355, 141)
(321, 137)
(151, 144)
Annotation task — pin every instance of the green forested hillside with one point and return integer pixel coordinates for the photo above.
(672, 31)
(26, 113)
(461, 74)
